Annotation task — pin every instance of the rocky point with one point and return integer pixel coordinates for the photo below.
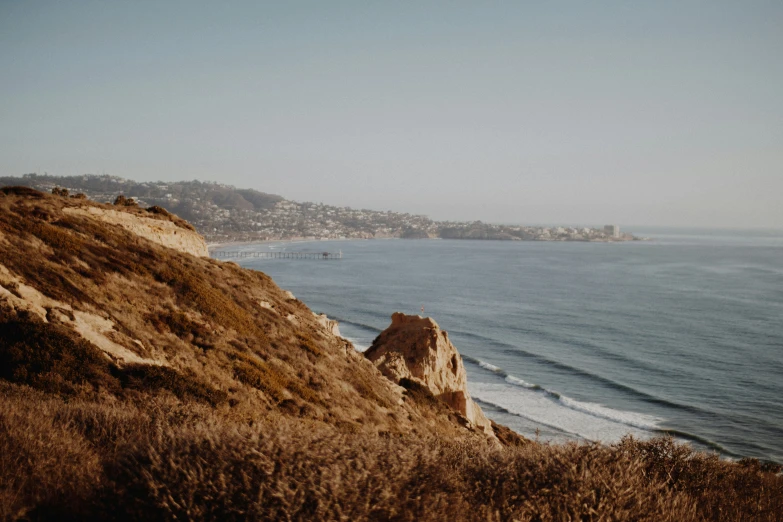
(415, 348)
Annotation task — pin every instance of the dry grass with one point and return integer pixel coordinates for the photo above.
(146, 378)
(256, 417)
(306, 343)
(207, 298)
(51, 358)
(195, 311)
(45, 466)
(166, 459)
(271, 381)
(262, 377)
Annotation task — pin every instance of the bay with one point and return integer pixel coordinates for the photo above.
(582, 341)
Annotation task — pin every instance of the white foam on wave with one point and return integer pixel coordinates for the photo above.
(516, 381)
(509, 378)
(490, 367)
(543, 409)
(629, 418)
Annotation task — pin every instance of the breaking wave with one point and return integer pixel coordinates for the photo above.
(550, 408)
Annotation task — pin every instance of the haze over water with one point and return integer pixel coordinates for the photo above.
(653, 113)
(584, 340)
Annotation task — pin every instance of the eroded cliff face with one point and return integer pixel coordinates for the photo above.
(415, 348)
(19, 299)
(164, 233)
(92, 304)
(331, 325)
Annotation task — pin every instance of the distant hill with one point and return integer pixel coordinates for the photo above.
(195, 201)
(225, 213)
(105, 188)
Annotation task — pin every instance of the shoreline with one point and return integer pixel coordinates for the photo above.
(214, 246)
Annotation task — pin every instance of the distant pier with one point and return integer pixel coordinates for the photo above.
(228, 254)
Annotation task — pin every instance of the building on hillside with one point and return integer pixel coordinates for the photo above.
(612, 230)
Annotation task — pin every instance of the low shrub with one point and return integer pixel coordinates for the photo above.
(122, 201)
(178, 323)
(420, 393)
(260, 376)
(22, 191)
(56, 237)
(723, 490)
(208, 299)
(306, 343)
(47, 470)
(51, 279)
(52, 358)
(365, 386)
(292, 471)
(162, 460)
(185, 386)
(155, 209)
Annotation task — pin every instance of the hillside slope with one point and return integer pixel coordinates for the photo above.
(140, 380)
(223, 213)
(124, 288)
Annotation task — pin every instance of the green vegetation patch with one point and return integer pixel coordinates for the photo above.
(52, 358)
(208, 299)
(185, 386)
(56, 237)
(306, 343)
(17, 190)
(181, 325)
(262, 376)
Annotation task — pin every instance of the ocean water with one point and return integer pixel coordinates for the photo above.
(682, 334)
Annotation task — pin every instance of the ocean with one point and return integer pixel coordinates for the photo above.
(682, 334)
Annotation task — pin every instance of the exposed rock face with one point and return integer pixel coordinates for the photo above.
(117, 315)
(18, 297)
(416, 348)
(164, 233)
(331, 325)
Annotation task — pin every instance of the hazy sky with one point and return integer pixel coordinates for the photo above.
(637, 113)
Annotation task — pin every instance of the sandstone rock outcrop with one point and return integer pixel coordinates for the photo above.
(113, 314)
(19, 298)
(164, 233)
(415, 348)
(330, 325)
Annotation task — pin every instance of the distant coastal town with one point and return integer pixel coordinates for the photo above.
(223, 213)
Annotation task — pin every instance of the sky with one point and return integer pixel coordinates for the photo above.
(583, 113)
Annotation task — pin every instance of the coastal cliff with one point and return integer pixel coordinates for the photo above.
(140, 380)
(165, 233)
(415, 348)
(133, 288)
(330, 325)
